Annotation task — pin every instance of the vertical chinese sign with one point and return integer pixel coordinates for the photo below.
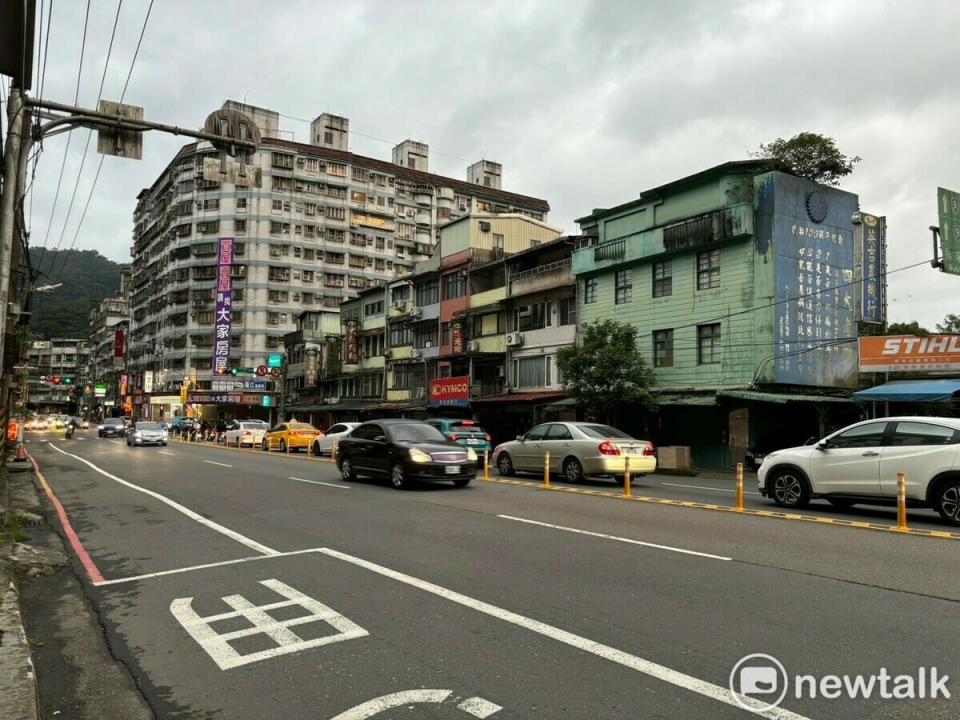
(222, 317)
(870, 238)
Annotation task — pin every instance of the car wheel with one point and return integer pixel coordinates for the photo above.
(504, 464)
(462, 482)
(164, 443)
(346, 470)
(573, 470)
(398, 478)
(283, 446)
(841, 503)
(789, 489)
(948, 502)
(265, 446)
(99, 435)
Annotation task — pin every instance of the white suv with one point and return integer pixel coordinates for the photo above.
(859, 464)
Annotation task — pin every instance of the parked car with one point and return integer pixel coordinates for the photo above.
(146, 433)
(293, 435)
(245, 432)
(859, 464)
(111, 427)
(181, 424)
(405, 451)
(323, 445)
(577, 450)
(465, 432)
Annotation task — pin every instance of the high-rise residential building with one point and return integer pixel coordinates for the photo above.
(109, 321)
(324, 224)
(58, 374)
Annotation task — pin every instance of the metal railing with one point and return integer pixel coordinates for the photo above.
(616, 250)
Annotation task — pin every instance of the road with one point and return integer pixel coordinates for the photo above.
(496, 600)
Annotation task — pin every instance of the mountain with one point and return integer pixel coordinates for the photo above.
(87, 276)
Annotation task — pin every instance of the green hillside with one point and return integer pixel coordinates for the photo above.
(87, 278)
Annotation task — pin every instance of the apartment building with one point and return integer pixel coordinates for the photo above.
(109, 323)
(58, 374)
(740, 283)
(324, 225)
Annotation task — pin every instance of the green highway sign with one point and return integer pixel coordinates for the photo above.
(275, 361)
(242, 371)
(948, 207)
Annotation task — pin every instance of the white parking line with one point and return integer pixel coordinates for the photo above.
(317, 482)
(705, 487)
(615, 537)
(216, 463)
(647, 667)
(253, 544)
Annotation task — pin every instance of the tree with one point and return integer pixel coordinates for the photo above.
(605, 370)
(809, 155)
(910, 328)
(950, 324)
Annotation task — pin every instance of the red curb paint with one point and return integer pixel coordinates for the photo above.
(95, 577)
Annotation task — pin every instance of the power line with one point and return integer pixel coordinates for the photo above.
(86, 147)
(43, 76)
(137, 51)
(66, 149)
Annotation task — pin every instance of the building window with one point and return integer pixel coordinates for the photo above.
(708, 270)
(589, 291)
(533, 317)
(623, 287)
(454, 285)
(708, 344)
(534, 372)
(663, 278)
(241, 204)
(428, 292)
(375, 308)
(567, 311)
(240, 227)
(663, 348)
(497, 241)
(400, 334)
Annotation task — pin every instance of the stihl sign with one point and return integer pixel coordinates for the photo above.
(909, 353)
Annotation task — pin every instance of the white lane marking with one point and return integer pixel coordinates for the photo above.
(205, 566)
(615, 537)
(115, 442)
(260, 622)
(705, 487)
(165, 452)
(475, 706)
(317, 482)
(647, 667)
(232, 534)
(211, 462)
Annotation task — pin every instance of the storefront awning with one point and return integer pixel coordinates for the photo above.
(671, 399)
(521, 397)
(780, 398)
(924, 391)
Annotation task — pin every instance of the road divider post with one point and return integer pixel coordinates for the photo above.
(626, 476)
(546, 470)
(333, 451)
(486, 464)
(739, 487)
(902, 502)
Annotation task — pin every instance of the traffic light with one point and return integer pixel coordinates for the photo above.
(55, 380)
(68, 381)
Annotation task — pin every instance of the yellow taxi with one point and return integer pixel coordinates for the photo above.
(290, 436)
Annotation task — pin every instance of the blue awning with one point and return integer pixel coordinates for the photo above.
(926, 391)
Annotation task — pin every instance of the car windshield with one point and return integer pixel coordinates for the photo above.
(467, 429)
(149, 426)
(113, 421)
(416, 432)
(301, 426)
(603, 431)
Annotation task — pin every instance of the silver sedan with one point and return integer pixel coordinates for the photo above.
(577, 450)
(324, 445)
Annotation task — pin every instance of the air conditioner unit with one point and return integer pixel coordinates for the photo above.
(484, 227)
(514, 339)
(473, 346)
(416, 312)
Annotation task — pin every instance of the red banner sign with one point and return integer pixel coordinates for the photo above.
(118, 339)
(450, 391)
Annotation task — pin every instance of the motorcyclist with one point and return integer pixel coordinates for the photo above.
(71, 428)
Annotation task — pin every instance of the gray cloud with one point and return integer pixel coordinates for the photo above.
(585, 103)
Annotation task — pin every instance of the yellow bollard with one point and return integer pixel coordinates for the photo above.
(739, 487)
(546, 470)
(333, 452)
(626, 476)
(486, 464)
(288, 444)
(902, 502)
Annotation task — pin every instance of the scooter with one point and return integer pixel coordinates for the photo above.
(69, 433)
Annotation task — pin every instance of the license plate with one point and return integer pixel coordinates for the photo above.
(474, 442)
(452, 469)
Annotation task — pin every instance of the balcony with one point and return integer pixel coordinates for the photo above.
(488, 297)
(490, 344)
(372, 363)
(541, 278)
(486, 389)
(401, 352)
(399, 395)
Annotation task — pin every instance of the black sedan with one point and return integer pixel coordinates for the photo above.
(111, 427)
(405, 451)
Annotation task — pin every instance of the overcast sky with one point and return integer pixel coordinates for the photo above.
(586, 104)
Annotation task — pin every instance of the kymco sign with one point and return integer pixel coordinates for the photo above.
(909, 353)
(450, 391)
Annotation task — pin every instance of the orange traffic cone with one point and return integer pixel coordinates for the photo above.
(21, 453)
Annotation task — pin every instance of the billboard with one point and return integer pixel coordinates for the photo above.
(948, 208)
(805, 230)
(870, 243)
(118, 342)
(450, 391)
(907, 353)
(224, 309)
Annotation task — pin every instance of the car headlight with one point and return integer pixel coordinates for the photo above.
(137, 434)
(419, 456)
(99, 427)
(471, 455)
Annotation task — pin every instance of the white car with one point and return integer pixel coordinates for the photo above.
(859, 464)
(245, 432)
(324, 445)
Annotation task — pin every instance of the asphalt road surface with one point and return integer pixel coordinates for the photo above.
(240, 585)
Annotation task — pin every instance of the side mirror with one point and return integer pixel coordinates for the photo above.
(810, 440)
(520, 438)
(824, 445)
